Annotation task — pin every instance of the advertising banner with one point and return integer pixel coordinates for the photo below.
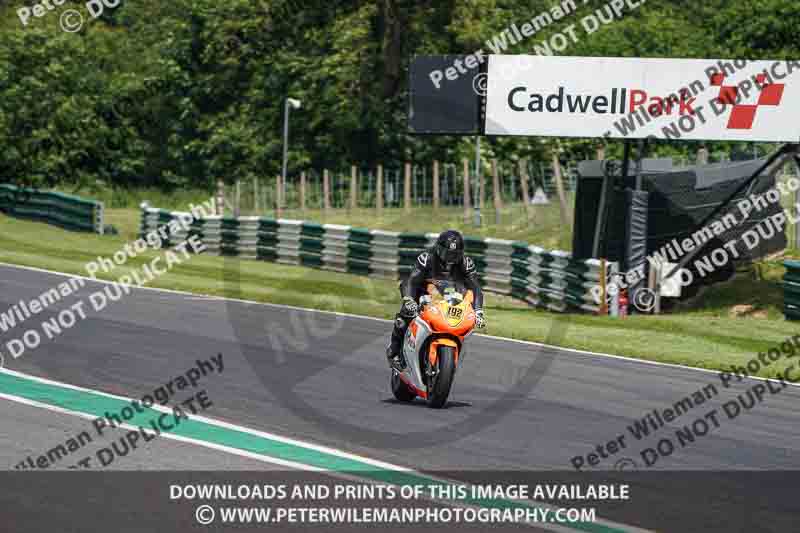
(692, 99)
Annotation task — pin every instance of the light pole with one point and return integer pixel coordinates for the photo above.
(477, 183)
(290, 102)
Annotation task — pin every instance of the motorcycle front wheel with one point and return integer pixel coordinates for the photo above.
(442, 380)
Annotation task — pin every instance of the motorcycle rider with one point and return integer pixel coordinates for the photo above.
(444, 261)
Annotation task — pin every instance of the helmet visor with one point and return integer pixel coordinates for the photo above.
(450, 256)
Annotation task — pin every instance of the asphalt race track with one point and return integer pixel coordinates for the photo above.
(516, 407)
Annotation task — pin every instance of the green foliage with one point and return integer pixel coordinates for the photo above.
(179, 94)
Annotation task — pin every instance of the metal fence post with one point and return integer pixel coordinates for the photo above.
(353, 187)
(436, 184)
(379, 190)
(407, 189)
(220, 204)
(326, 191)
(466, 201)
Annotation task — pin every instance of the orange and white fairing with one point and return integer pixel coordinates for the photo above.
(448, 320)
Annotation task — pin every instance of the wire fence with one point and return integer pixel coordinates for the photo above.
(261, 195)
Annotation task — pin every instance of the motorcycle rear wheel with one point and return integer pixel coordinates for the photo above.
(400, 389)
(439, 390)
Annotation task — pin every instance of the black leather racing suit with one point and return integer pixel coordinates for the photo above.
(428, 268)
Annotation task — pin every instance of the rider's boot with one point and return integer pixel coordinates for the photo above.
(394, 351)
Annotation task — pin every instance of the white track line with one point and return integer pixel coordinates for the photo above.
(170, 436)
(192, 295)
(280, 462)
(212, 421)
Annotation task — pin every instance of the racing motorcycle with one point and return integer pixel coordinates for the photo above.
(434, 344)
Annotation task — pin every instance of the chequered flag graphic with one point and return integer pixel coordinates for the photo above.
(743, 115)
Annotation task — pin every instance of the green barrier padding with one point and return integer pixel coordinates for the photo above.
(59, 209)
(561, 283)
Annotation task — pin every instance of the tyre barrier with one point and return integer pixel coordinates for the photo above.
(542, 278)
(63, 210)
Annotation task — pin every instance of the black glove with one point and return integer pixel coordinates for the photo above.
(409, 308)
(480, 322)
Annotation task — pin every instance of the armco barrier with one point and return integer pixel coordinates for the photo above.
(70, 212)
(548, 279)
(791, 290)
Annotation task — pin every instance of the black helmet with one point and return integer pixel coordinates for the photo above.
(450, 247)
